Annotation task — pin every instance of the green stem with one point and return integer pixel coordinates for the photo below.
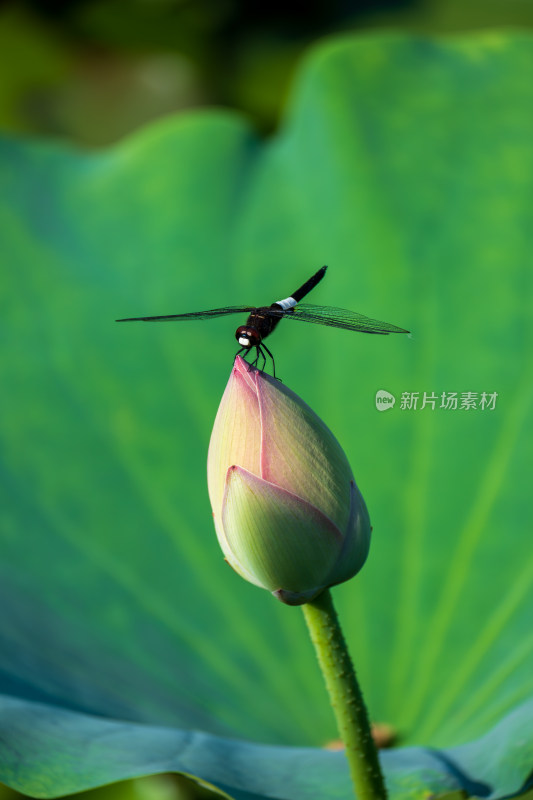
(345, 697)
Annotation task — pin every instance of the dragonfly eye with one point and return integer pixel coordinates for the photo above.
(247, 337)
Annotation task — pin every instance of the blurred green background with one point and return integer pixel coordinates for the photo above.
(93, 72)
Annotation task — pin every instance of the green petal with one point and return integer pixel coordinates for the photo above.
(285, 542)
(356, 540)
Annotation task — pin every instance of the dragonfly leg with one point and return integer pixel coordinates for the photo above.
(263, 356)
(263, 345)
(246, 352)
(260, 351)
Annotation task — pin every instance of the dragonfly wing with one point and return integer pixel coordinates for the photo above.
(339, 318)
(214, 312)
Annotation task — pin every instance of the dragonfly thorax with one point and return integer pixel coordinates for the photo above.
(248, 336)
(259, 325)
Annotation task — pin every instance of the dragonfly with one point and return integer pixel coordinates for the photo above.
(263, 320)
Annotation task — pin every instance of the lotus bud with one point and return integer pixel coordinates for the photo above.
(288, 514)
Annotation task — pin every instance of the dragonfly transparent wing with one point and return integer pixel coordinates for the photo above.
(214, 312)
(337, 318)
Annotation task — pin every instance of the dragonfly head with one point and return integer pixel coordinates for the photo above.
(247, 336)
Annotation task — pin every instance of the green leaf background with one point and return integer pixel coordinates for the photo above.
(404, 164)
